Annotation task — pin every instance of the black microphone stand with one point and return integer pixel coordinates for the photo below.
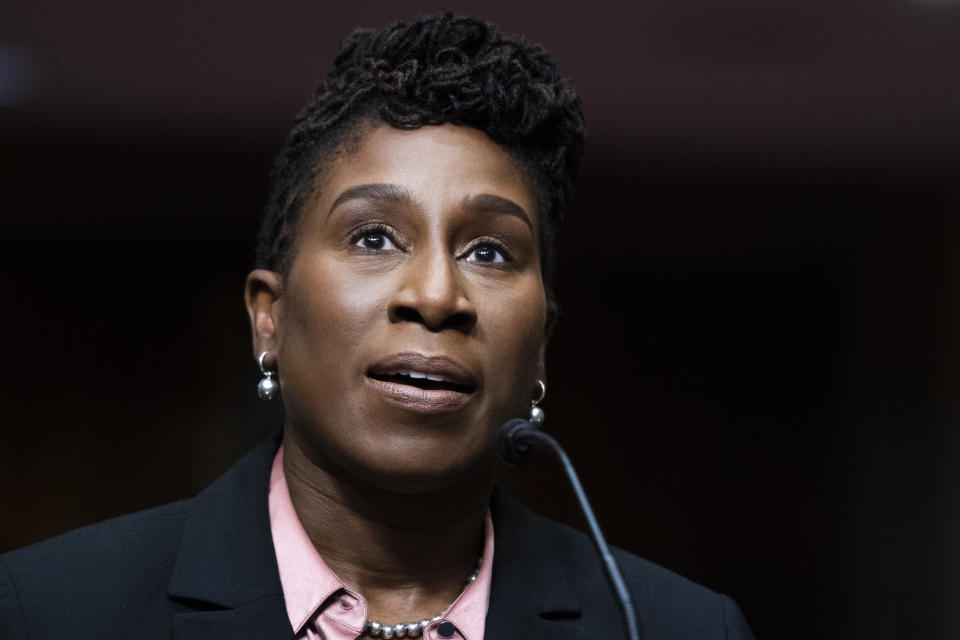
(517, 443)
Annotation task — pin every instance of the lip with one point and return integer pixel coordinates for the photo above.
(415, 398)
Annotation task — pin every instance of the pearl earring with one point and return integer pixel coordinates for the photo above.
(537, 416)
(268, 386)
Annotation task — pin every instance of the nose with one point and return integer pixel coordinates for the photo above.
(432, 292)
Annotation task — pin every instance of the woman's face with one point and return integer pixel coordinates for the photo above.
(412, 321)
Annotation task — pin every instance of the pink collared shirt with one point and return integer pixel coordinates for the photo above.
(321, 607)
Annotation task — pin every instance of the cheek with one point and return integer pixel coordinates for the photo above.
(325, 316)
(515, 332)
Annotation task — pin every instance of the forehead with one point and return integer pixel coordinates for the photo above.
(438, 165)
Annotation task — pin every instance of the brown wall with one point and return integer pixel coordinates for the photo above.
(756, 370)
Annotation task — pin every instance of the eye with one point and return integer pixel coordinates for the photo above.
(486, 252)
(375, 239)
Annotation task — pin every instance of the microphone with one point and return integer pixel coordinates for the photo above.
(518, 442)
(515, 444)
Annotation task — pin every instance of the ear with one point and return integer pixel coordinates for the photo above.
(261, 295)
(553, 311)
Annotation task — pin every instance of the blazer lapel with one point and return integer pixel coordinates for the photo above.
(266, 618)
(530, 595)
(225, 576)
(527, 627)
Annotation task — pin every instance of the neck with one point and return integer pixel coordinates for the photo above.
(407, 555)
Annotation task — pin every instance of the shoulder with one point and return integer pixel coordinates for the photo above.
(81, 574)
(119, 578)
(668, 604)
(678, 601)
(153, 533)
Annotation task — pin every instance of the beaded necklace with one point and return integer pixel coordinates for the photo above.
(375, 629)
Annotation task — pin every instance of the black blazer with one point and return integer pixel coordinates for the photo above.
(205, 569)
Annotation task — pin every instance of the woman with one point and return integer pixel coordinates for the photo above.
(400, 310)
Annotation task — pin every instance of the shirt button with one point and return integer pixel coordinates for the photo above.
(446, 629)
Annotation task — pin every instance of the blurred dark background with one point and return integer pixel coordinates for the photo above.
(758, 362)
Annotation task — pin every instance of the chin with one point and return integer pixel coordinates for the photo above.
(422, 465)
(412, 457)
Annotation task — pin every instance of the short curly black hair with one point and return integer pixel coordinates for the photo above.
(433, 70)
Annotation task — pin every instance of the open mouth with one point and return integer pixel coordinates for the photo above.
(429, 383)
(425, 381)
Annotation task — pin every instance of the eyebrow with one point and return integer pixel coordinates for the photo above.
(395, 194)
(487, 202)
(389, 193)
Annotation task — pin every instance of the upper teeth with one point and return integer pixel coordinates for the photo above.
(428, 376)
